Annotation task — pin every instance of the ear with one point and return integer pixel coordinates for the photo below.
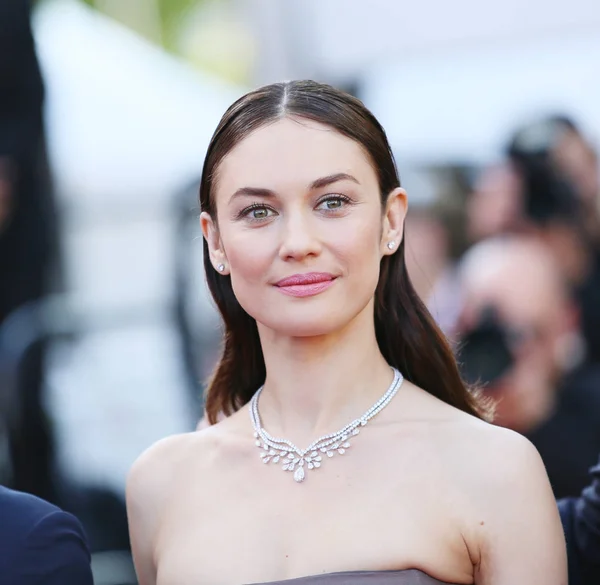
(210, 232)
(393, 221)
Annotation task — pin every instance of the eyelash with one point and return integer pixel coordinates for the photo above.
(244, 213)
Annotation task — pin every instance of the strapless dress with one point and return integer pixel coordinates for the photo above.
(404, 577)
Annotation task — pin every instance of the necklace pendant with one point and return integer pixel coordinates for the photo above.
(299, 474)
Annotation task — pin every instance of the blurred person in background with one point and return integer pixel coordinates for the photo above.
(508, 194)
(302, 214)
(28, 236)
(431, 266)
(558, 176)
(577, 159)
(495, 206)
(520, 337)
(40, 544)
(436, 239)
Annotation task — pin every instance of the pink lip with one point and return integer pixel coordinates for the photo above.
(305, 285)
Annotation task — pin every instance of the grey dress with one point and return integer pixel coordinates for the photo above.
(405, 577)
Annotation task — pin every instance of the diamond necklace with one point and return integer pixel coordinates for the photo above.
(292, 458)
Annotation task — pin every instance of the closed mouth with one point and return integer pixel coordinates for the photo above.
(305, 285)
(305, 279)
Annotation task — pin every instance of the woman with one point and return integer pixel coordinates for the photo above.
(303, 216)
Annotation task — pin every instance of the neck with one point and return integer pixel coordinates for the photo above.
(316, 385)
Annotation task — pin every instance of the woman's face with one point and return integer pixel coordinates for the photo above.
(300, 227)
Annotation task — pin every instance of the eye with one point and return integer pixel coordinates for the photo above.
(259, 213)
(256, 212)
(333, 202)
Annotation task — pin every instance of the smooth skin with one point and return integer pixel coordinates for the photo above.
(424, 486)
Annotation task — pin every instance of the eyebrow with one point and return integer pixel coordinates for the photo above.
(316, 184)
(324, 181)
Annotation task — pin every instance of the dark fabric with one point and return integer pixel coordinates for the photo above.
(21, 87)
(102, 513)
(570, 439)
(28, 242)
(407, 577)
(587, 297)
(581, 522)
(40, 544)
(567, 515)
(31, 437)
(29, 250)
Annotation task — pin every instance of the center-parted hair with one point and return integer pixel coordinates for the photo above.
(406, 333)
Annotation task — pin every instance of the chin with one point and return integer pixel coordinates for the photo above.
(313, 317)
(312, 321)
(300, 326)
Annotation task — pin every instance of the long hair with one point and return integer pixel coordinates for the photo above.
(406, 333)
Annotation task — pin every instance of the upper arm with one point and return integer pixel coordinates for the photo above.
(520, 533)
(55, 553)
(147, 489)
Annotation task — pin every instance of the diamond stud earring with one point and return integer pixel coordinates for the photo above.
(220, 267)
(391, 245)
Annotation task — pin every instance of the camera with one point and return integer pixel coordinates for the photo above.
(486, 355)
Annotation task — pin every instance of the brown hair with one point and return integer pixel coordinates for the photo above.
(407, 335)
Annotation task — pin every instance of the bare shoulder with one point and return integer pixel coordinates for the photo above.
(511, 506)
(158, 470)
(491, 465)
(159, 466)
(150, 484)
(515, 511)
(507, 506)
(506, 476)
(498, 457)
(488, 452)
(153, 470)
(154, 481)
(486, 456)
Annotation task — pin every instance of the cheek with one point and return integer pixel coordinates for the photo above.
(360, 239)
(357, 248)
(249, 258)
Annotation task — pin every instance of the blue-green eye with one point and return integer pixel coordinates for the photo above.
(333, 202)
(257, 212)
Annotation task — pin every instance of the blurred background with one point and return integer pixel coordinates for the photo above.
(106, 110)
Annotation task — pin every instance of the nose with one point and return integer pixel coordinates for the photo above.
(299, 238)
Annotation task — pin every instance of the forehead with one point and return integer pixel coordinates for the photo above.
(292, 153)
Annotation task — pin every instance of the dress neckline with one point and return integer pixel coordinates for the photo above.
(338, 576)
